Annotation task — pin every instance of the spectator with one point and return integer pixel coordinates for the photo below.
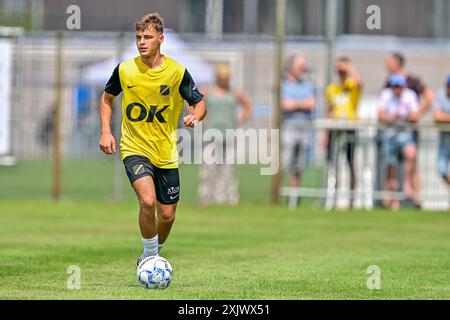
(342, 100)
(298, 101)
(441, 114)
(397, 105)
(395, 64)
(217, 181)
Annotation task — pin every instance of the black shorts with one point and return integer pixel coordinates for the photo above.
(167, 181)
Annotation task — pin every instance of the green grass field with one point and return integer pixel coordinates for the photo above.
(252, 251)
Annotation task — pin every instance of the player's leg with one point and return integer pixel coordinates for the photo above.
(167, 187)
(139, 170)
(145, 191)
(165, 220)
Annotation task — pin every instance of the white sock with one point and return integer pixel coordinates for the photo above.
(150, 246)
(160, 246)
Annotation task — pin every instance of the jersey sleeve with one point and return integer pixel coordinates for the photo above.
(113, 86)
(188, 89)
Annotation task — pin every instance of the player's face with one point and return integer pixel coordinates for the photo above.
(392, 65)
(148, 41)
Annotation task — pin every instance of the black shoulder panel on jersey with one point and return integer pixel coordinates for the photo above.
(188, 89)
(113, 86)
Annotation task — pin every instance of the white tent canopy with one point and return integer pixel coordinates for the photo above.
(173, 46)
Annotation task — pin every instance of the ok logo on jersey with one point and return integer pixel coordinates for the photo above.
(143, 113)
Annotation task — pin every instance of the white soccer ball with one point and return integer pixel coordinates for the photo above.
(154, 272)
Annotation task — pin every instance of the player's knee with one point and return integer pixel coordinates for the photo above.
(167, 216)
(147, 202)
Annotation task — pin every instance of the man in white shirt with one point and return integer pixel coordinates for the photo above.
(441, 114)
(397, 106)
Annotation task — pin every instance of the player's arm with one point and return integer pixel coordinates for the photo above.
(198, 113)
(107, 142)
(189, 92)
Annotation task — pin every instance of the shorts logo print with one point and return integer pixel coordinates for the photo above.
(138, 169)
(173, 190)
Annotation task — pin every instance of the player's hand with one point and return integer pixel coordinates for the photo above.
(190, 121)
(107, 143)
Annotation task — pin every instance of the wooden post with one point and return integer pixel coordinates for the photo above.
(330, 37)
(56, 183)
(214, 19)
(276, 121)
(117, 116)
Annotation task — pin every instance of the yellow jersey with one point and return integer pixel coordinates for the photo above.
(152, 103)
(343, 99)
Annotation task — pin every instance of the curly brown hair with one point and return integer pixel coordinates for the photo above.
(153, 20)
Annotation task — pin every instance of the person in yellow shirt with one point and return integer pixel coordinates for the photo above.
(342, 100)
(154, 89)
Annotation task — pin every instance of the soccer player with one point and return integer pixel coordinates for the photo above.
(441, 114)
(154, 89)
